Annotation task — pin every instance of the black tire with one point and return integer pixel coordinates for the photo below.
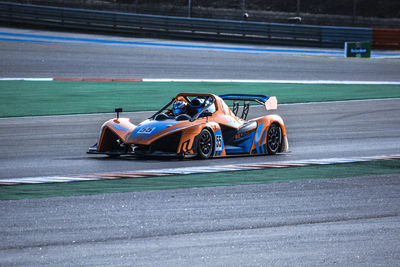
(274, 139)
(205, 144)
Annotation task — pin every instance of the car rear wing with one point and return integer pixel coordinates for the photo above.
(270, 103)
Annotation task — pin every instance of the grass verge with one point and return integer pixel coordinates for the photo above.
(38, 98)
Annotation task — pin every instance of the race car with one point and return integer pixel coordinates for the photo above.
(197, 125)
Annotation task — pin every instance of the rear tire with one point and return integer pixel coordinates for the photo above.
(205, 145)
(274, 139)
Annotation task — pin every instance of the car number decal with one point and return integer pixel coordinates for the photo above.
(218, 143)
(146, 130)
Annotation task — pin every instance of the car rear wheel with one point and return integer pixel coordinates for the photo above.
(205, 144)
(274, 138)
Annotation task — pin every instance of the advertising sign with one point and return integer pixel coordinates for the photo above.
(357, 49)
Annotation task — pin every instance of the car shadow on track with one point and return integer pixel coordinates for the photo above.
(175, 159)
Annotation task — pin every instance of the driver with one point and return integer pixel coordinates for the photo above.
(197, 104)
(179, 107)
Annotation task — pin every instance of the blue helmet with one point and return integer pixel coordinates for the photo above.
(198, 103)
(179, 107)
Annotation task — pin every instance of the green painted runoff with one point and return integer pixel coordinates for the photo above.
(342, 170)
(38, 98)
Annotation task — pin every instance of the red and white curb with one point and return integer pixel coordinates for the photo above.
(189, 170)
(207, 81)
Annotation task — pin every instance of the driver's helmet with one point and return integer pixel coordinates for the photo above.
(211, 108)
(196, 105)
(179, 107)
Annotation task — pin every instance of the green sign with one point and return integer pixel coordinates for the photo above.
(357, 49)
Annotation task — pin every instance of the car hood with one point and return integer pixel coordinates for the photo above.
(150, 130)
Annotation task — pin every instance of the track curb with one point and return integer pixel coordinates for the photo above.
(189, 170)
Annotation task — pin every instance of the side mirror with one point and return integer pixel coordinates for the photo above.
(118, 110)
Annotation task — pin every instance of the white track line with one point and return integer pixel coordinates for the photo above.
(237, 81)
(275, 81)
(28, 79)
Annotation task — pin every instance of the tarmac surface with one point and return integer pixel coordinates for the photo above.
(351, 221)
(71, 55)
(57, 145)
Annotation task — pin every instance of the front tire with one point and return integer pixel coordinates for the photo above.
(274, 139)
(205, 145)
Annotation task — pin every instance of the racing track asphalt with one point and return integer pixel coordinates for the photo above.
(351, 221)
(32, 57)
(46, 146)
(338, 222)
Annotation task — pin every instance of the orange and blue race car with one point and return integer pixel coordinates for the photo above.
(197, 125)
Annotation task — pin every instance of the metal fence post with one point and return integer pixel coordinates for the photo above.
(298, 8)
(354, 10)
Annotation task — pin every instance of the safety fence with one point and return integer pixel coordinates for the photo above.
(179, 27)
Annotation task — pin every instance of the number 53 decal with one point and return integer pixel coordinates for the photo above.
(218, 143)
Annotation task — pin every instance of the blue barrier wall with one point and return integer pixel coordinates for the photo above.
(178, 27)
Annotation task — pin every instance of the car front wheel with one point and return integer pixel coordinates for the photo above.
(274, 138)
(205, 144)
